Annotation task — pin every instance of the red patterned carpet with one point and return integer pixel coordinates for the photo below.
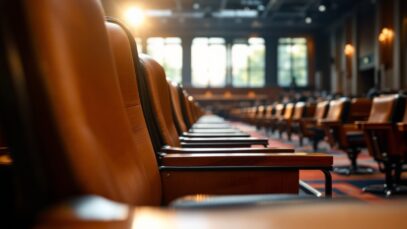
(343, 186)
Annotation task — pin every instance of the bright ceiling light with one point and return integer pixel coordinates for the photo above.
(196, 6)
(134, 16)
(322, 8)
(308, 20)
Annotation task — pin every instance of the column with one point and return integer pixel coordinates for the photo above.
(186, 61)
(271, 61)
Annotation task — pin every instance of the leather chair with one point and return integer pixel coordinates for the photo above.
(77, 130)
(263, 121)
(343, 134)
(302, 110)
(181, 125)
(284, 124)
(307, 125)
(193, 121)
(386, 144)
(278, 114)
(185, 157)
(261, 112)
(158, 93)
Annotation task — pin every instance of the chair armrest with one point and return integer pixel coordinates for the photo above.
(169, 149)
(402, 126)
(247, 141)
(350, 127)
(308, 120)
(215, 135)
(213, 201)
(215, 145)
(375, 126)
(329, 123)
(296, 160)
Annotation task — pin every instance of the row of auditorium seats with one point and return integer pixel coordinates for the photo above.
(87, 115)
(347, 124)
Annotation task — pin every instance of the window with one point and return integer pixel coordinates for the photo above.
(168, 52)
(208, 62)
(292, 61)
(248, 57)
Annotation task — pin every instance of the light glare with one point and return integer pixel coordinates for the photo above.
(134, 16)
(322, 8)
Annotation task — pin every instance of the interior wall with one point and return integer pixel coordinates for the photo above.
(374, 63)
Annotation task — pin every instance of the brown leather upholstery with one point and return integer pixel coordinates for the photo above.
(307, 125)
(284, 124)
(187, 109)
(78, 75)
(299, 110)
(335, 111)
(159, 92)
(321, 109)
(176, 100)
(381, 109)
(278, 114)
(384, 141)
(341, 132)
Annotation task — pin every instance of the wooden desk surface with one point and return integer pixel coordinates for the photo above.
(391, 214)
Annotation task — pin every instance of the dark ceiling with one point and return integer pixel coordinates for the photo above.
(252, 13)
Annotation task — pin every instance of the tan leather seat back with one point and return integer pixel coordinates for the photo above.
(382, 109)
(75, 71)
(160, 98)
(176, 105)
(279, 110)
(126, 60)
(188, 111)
(289, 111)
(299, 110)
(359, 109)
(336, 109)
(269, 112)
(321, 110)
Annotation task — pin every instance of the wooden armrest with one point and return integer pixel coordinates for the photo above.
(402, 126)
(168, 149)
(389, 215)
(215, 135)
(329, 123)
(359, 124)
(306, 121)
(350, 127)
(211, 131)
(248, 141)
(375, 126)
(249, 159)
(215, 145)
(211, 201)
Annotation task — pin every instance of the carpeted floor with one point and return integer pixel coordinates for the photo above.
(343, 186)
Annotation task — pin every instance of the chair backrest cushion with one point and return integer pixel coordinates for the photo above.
(126, 60)
(382, 109)
(176, 104)
(160, 98)
(77, 74)
(321, 109)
